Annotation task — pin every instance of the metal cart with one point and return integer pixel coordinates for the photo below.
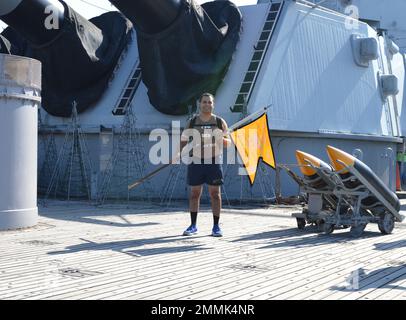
(335, 205)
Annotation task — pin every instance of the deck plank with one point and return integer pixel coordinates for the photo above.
(84, 252)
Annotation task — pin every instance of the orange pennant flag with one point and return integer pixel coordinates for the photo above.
(253, 142)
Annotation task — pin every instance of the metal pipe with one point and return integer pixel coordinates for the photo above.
(38, 21)
(149, 16)
(20, 85)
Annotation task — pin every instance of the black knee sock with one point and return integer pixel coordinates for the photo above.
(193, 217)
(216, 219)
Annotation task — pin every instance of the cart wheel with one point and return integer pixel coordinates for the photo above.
(356, 231)
(301, 223)
(320, 225)
(327, 228)
(386, 223)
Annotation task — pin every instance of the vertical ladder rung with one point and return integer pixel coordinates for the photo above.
(249, 77)
(128, 92)
(275, 7)
(253, 66)
(257, 57)
(265, 35)
(269, 25)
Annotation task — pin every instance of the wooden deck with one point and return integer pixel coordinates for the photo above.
(83, 252)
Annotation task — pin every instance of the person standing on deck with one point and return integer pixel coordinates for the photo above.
(208, 133)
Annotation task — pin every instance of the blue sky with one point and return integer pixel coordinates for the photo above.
(91, 8)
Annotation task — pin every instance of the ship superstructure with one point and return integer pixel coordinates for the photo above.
(325, 82)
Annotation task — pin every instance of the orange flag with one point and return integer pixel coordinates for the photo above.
(253, 142)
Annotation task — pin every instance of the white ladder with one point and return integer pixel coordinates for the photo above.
(258, 56)
(129, 91)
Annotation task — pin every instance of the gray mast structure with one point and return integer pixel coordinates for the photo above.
(126, 164)
(71, 178)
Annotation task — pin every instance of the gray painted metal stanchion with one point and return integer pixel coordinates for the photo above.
(20, 87)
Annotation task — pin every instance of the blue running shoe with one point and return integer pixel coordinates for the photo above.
(216, 231)
(190, 231)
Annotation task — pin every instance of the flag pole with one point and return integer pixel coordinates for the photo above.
(247, 119)
(150, 175)
(230, 129)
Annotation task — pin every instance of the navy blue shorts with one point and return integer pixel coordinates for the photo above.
(211, 174)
